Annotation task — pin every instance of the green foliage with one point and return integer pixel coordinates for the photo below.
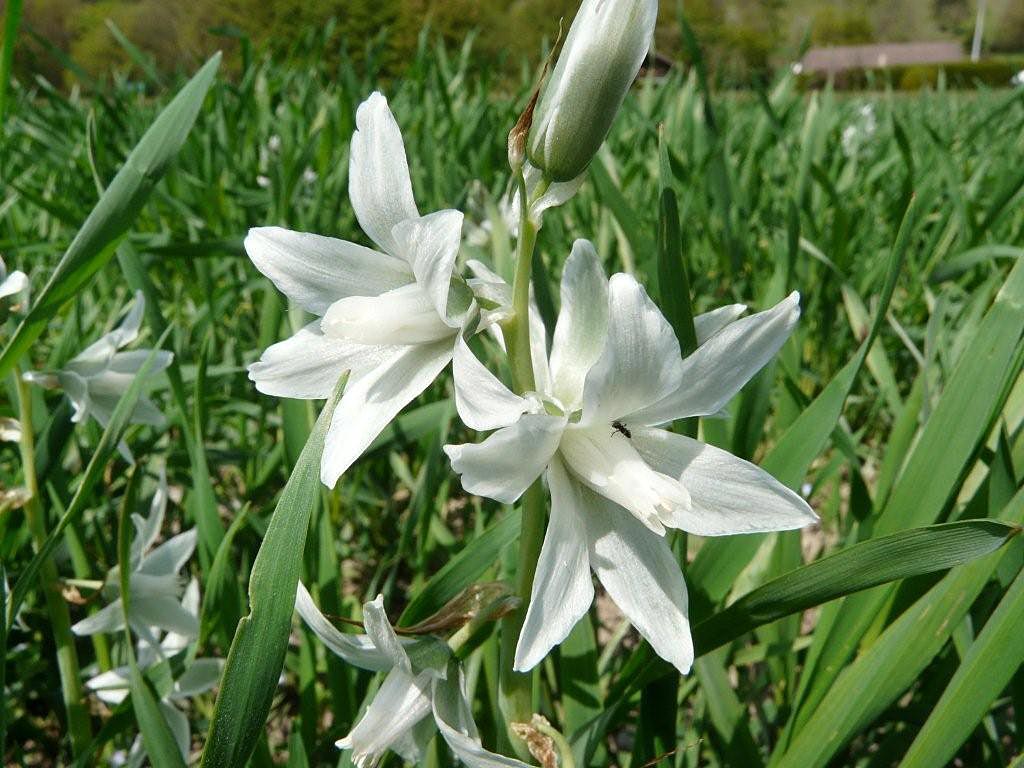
(898, 406)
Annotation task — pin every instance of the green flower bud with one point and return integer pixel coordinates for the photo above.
(599, 61)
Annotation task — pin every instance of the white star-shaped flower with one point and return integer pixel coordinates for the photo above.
(617, 481)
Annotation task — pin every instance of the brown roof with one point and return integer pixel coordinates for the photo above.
(846, 57)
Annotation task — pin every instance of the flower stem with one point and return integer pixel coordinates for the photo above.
(72, 691)
(515, 688)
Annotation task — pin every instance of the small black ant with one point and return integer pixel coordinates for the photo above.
(622, 428)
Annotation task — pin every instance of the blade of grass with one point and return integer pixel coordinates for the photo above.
(258, 650)
(12, 20)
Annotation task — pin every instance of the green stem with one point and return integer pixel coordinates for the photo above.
(516, 689)
(79, 727)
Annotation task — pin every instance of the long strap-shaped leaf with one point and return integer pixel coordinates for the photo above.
(257, 652)
(114, 213)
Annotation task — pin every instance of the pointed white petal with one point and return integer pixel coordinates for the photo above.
(710, 323)
(357, 650)
(641, 574)
(307, 366)
(148, 528)
(375, 398)
(455, 722)
(403, 316)
(401, 703)
(504, 465)
(174, 643)
(729, 495)
(315, 271)
(431, 245)
(562, 589)
(606, 460)
(413, 744)
(379, 185)
(171, 556)
(128, 330)
(582, 327)
(483, 402)
(110, 687)
(641, 361)
(15, 283)
(539, 349)
(200, 677)
(109, 618)
(712, 375)
(383, 635)
(163, 612)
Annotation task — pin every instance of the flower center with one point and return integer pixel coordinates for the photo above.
(401, 316)
(603, 457)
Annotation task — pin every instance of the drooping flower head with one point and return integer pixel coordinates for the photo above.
(389, 315)
(617, 480)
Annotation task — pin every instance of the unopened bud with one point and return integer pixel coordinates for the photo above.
(599, 62)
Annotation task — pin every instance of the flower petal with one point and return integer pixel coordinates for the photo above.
(97, 354)
(379, 184)
(315, 271)
(641, 361)
(401, 702)
(171, 556)
(483, 402)
(357, 650)
(562, 588)
(728, 495)
(110, 687)
(383, 635)
(400, 317)
(712, 375)
(455, 721)
(130, 362)
(13, 284)
(374, 398)
(109, 618)
(163, 612)
(200, 677)
(539, 348)
(641, 574)
(582, 327)
(710, 323)
(504, 465)
(431, 245)
(307, 366)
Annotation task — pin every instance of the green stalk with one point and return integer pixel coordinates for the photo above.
(72, 691)
(516, 689)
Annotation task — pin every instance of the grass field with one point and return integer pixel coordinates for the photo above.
(896, 406)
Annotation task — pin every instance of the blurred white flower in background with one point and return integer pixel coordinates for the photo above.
(263, 182)
(274, 143)
(797, 68)
(96, 379)
(860, 131)
(155, 582)
(198, 676)
(617, 482)
(1018, 79)
(11, 285)
(309, 176)
(389, 316)
(422, 680)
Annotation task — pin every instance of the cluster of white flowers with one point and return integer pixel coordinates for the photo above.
(164, 614)
(592, 427)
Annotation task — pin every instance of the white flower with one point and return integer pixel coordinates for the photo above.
(263, 182)
(1018, 79)
(96, 379)
(12, 284)
(389, 316)
(422, 680)
(155, 583)
(797, 68)
(309, 176)
(617, 481)
(274, 143)
(860, 131)
(199, 676)
(602, 54)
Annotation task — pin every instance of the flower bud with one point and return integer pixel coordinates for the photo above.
(599, 61)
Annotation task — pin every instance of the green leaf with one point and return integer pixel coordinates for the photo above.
(114, 213)
(893, 663)
(258, 650)
(992, 660)
(12, 18)
(862, 566)
(463, 569)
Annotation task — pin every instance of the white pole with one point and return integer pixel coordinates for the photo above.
(979, 28)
